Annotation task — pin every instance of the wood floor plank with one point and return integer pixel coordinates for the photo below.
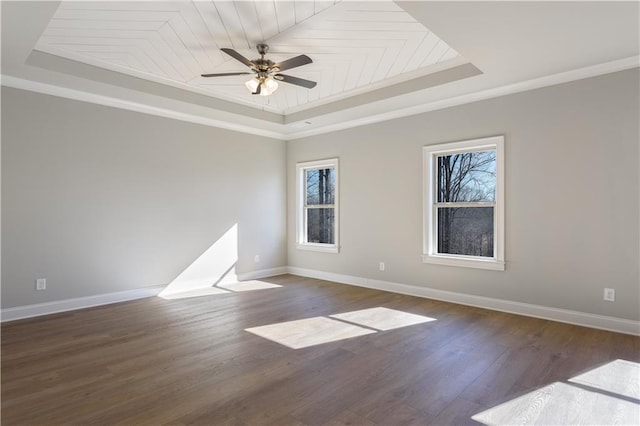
(190, 361)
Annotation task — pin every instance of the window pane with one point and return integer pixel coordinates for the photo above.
(466, 230)
(321, 186)
(320, 225)
(470, 176)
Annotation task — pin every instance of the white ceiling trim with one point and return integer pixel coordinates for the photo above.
(537, 83)
(149, 76)
(440, 66)
(289, 130)
(79, 95)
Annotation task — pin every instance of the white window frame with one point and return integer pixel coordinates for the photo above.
(430, 238)
(301, 208)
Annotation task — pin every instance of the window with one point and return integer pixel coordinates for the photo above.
(464, 203)
(317, 205)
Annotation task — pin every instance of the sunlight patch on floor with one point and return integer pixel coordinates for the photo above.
(315, 331)
(251, 285)
(382, 318)
(620, 377)
(224, 288)
(198, 292)
(606, 395)
(308, 332)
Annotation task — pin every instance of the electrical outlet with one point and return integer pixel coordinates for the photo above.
(256, 258)
(381, 266)
(41, 284)
(610, 294)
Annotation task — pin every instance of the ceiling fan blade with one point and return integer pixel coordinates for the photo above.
(295, 80)
(237, 56)
(225, 74)
(293, 62)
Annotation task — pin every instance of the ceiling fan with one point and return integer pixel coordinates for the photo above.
(267, 71)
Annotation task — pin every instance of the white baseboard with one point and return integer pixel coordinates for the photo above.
(28, 311)
(561, 315)
(262, 273)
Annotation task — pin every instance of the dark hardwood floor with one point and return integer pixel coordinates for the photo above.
(189, 361)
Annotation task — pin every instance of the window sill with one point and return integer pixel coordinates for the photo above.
(324, 248)
(464, 261)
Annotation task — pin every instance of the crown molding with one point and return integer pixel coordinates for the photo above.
(79, 95)
(292, 131)
(523, 86)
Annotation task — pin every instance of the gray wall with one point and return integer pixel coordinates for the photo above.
(99, 200)
(572, 196)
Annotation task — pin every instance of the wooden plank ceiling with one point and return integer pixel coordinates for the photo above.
(355, 46)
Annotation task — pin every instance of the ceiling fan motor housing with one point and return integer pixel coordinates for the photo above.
(262, 48)
(266, 70)
(265, 65)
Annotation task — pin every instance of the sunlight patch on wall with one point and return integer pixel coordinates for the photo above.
(215, 266)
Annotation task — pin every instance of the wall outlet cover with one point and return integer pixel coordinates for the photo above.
(610, 294)
(41, 284)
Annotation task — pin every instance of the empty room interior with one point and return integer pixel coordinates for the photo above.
(320, 212)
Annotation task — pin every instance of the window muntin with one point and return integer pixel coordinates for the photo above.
(463, 203)
(317, 227)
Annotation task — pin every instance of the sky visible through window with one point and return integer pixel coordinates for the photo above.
(468, 177)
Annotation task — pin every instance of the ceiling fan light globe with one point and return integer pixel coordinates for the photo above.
(268, 86)
(252, 84)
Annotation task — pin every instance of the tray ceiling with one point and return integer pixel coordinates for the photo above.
(356, 46)
(147, 56)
